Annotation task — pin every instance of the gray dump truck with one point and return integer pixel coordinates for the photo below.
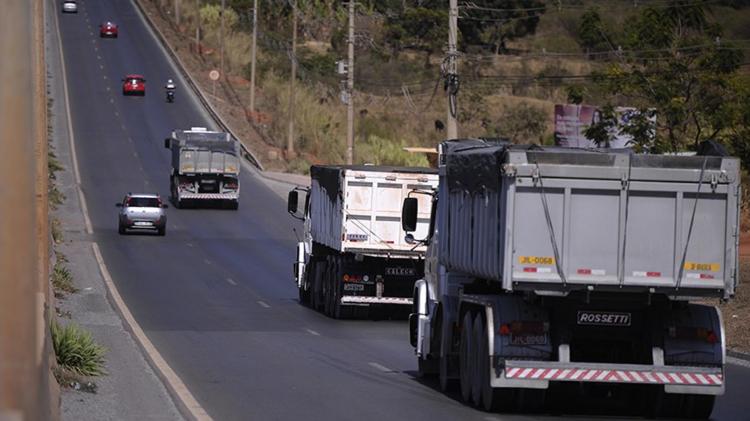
(549, 268)
(205, 167)
(354, 255)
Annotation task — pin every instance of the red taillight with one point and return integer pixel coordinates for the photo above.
(693, 333)
(230, 186)
(520, 328)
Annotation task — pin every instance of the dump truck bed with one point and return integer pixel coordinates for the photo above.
(576, 219)
(358, 208)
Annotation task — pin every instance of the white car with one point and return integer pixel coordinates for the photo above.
(70, 6)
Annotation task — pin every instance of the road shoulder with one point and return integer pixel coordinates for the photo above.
(131, 389)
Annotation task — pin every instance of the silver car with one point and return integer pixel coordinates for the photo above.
(69, 6)
(142, 212)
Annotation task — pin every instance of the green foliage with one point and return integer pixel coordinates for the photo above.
(591, 30)
(494, 22)
(575, 93)
(62, 279)
(522, 123)
(56, 230)
(603, 130)
(690, 90)
(76, 350)
(418, 28)
(379, 151)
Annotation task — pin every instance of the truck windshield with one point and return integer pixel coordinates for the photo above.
(143, 202)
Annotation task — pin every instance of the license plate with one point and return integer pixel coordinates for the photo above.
(143, 224)
(354, 287)
(603, 318)
(528, 339)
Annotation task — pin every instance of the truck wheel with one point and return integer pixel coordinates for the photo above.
(327, 301)
(319, 271)
(698, 407)
(234, 204)
(447, 384)
(465, 356)
(426, 367)
(162, 231)
(121, 229)
(479, 356)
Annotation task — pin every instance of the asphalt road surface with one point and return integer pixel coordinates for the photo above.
(216, 295)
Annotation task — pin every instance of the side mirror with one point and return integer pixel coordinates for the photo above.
(167, 142)
(409, 214)
(409, 239)
(291, 203)
(119, 205)
(164, 206)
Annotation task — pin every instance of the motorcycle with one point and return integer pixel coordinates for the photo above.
(170, 95)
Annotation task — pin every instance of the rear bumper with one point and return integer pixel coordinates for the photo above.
(675, 379)
(210, 196)
(364, 300)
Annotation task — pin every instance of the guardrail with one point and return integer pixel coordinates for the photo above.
(247, 153)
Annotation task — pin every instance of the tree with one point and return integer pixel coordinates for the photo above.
(591, 31)
(418, 28)
(493, 22)
(681, 73)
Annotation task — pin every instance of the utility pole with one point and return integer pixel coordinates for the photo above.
(221, 39)
(177, 12)
(290, 139)
(350, 90)
(252, 56)
(198, 30)
(451, 81)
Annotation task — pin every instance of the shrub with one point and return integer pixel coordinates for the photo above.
(62, 279)
(76, 350)
(379, 151)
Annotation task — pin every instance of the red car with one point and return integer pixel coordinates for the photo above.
(108, 30)
(134, 85)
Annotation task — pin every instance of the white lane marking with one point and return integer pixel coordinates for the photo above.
(107, 88)
(71, 135)
(105, 77)
(98, 57)
(312, 332)
(206, 261)
(263, 304)
(380, 367)
(91, 33)
(111, 100)
(173, 382)
(231, 282)
(101, 67)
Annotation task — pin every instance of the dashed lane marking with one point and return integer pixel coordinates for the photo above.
(381, 367)
(263, 304)
(312, 332)
(230, 280)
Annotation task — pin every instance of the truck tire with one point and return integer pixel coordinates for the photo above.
(339, 310)
(315, 286)
(162, 231)
(698, 407)
(121, 229)
(465, 357)
(233, 204)
(479, 356)
(327, 301)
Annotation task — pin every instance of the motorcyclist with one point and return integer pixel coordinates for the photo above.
(170, 88)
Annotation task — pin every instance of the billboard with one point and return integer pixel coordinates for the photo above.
(571, 121)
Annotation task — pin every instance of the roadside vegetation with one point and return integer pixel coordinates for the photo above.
(681, 60)
(78, 356)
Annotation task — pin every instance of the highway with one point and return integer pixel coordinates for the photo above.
(216, 295)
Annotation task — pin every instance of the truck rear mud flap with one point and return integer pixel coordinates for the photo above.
(676, 379)
(361, 300)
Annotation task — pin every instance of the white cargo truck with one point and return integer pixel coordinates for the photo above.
(550, 268)
(354, 254)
